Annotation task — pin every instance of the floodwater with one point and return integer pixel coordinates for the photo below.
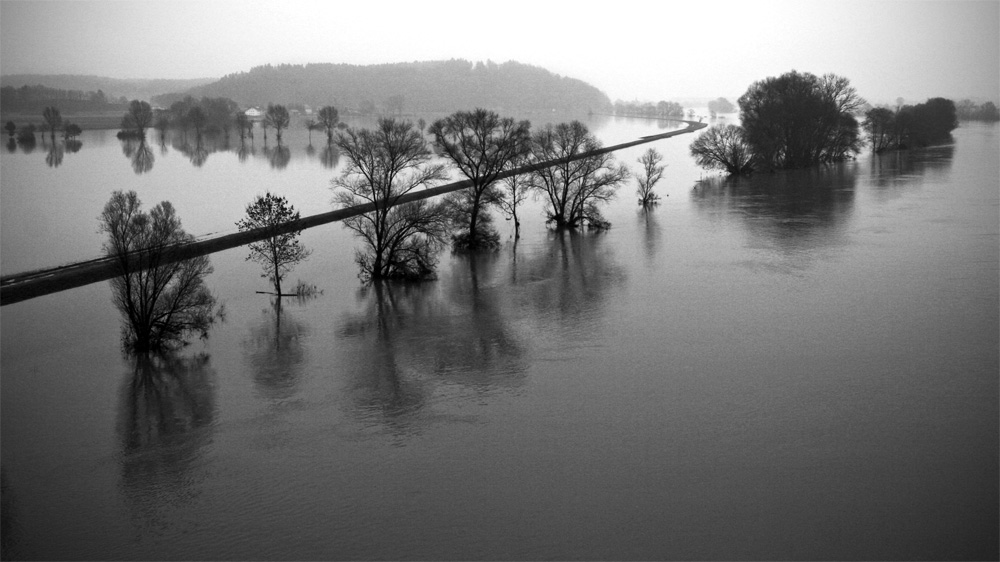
(796, 366)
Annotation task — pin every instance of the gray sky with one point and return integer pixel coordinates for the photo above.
(630, 49)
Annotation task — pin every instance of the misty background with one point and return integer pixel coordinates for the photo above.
(629, 50)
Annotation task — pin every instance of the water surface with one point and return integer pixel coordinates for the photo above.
(794, 366)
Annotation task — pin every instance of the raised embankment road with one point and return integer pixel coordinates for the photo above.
(24, 286)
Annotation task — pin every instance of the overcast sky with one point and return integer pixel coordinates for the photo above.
(642, 49)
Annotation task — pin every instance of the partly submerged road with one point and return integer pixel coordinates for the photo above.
(24, 286)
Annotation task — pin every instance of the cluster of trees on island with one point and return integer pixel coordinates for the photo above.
(798, 120)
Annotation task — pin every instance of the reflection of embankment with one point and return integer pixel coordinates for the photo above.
(410, 343)
(165, 421)
(792, 213)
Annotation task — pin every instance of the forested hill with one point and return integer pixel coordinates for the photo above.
(406, 87)
(113, 88)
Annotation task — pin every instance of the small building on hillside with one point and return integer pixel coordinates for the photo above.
(254, 113)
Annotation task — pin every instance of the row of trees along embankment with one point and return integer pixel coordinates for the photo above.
(565, 162)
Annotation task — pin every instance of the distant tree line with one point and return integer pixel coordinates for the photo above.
(392, 89)
(648, 109)
(720, 105)
(205, 115)
(910, 126)
(968, 110)
(33, 99)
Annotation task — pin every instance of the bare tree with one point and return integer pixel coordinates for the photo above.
(651, 173)
(53, 120)
(277, 117)
(481, 145)
(513, 192)
(138, 118)
(575, 189)
(724, 148)
(162, 302)
(880, 126)
(383, 164)
(277, 253)
(328, 119)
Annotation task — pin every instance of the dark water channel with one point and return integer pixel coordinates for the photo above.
(795, 366)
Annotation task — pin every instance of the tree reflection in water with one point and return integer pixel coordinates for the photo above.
(791, 214)
(54, 156)
(568, 283)
(73, 146)
(896, 169)
(244, 152)
(410, 343)
(11, 145)
(329, 156)
(275, 352)
(278, 157)
(165, 422)
(139, 154)
(651, 231)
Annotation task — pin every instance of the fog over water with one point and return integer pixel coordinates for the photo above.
(633, 49)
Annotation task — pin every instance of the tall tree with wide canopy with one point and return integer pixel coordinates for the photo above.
(481, 145)
(797, 120)
(138, 118)
(383, 164)
(162, 302)
(574, 189)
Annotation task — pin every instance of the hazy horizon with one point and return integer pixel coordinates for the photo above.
(888, 49)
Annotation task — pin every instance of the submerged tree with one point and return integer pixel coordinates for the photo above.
(328, 119)
(798, 119)
(279, 252)
(163, 303)
(481, 145)
(138, 118)
(651, 173)
(53, 120)
(71, 131)
(277, 117)
(574, 189)
(513, 191)
(723, 148)
(383, 164)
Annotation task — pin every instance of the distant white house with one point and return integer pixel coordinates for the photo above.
(253, 113)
